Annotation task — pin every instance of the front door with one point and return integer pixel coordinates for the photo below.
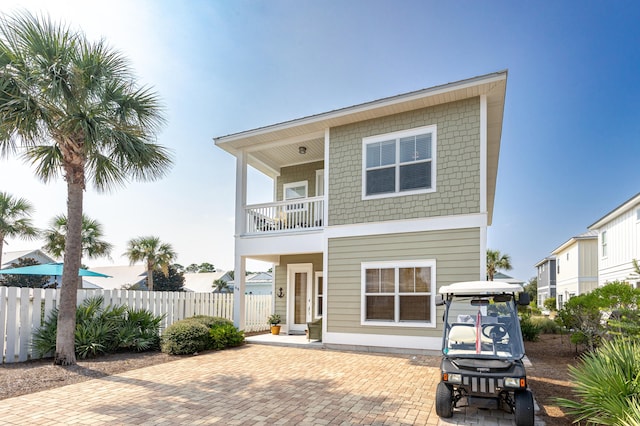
(299, 302)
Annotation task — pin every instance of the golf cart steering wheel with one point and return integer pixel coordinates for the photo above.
(494, 331)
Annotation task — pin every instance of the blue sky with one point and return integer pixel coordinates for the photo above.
(570, 146)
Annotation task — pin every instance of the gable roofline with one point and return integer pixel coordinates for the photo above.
(547, 259)
(589, 235)
(491, 86)
(390, 105)
(9, 257)
(627, 205)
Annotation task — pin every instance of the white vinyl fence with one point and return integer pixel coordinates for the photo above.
(22, 311)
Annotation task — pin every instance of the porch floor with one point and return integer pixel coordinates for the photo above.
(290, 340)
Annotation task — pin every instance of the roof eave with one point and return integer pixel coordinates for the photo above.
(324, 120)
(615, 212)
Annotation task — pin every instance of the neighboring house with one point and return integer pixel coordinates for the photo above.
(576, 266)
(619, 243)
(499, 276)
(376, 206)
(9, 257)
(258, 283)
(121, 277)
(546, 279)
(202, 282)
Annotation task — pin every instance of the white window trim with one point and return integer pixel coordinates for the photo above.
(316, 294)
(397, 135)
(425, 263)
(293, 207)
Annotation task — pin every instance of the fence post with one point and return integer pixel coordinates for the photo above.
(3, 314)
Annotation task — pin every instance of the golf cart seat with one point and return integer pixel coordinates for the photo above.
(462, 334)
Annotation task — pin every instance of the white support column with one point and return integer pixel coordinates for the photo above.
(238, 292)
(241, 222)
(483, 253)
(241, 193)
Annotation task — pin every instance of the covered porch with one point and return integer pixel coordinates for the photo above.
(287, 340)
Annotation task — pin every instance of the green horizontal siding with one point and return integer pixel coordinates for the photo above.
(457, 257)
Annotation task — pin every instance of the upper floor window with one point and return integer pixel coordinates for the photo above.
(399, 163)
(293, 191)
(638, 214)
(604, 243)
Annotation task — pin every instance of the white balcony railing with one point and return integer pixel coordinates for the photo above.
(300, 214)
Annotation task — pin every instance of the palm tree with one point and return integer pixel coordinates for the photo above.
(76, 111)
(15, 219)
(93, 246)
(151, 250)
(220, 285)
(495, 261)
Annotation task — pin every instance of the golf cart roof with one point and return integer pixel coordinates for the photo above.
(480, 287)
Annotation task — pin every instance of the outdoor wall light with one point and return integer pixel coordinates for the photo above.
(280, 293)
(302, 150)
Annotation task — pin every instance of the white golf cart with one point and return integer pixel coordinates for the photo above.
(482, 350)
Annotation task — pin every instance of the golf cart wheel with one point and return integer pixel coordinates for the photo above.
(524, 408)
(444, 400)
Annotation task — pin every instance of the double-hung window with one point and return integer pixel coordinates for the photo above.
(294, 191)
(399, 163)
(398, 293)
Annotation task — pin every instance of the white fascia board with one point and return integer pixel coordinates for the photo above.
(356, 109)
(302, 242)
(627, 205)
(478, 220)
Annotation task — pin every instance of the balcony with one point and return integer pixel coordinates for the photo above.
(302, 214)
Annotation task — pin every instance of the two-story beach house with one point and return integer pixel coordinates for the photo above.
(576, 266)
(619, 243)
(375, 207)
(546, 279)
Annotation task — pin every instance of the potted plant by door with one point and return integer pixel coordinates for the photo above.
(274, 320)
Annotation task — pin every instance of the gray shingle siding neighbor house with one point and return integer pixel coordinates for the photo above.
(375, 207)
(546, 269)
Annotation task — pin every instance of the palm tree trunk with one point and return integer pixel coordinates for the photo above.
(1, 247)
(149, 276)
(65, 337)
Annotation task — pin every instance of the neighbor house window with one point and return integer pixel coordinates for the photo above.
(399, 163)
(293, 191)
(604, 243)
(396, 293)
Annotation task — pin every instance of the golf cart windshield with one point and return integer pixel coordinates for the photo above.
(482, 327)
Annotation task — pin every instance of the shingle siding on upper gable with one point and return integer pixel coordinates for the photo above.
(457, 174)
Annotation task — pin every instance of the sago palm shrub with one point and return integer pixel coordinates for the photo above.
(101, 329)
(607, 385)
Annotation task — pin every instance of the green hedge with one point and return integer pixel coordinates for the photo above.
(200, 333)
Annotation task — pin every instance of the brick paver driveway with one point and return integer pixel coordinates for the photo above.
(253, 384)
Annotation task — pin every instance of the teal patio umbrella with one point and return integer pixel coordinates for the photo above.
(51, 269)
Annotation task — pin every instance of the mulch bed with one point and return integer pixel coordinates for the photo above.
(549, 378)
